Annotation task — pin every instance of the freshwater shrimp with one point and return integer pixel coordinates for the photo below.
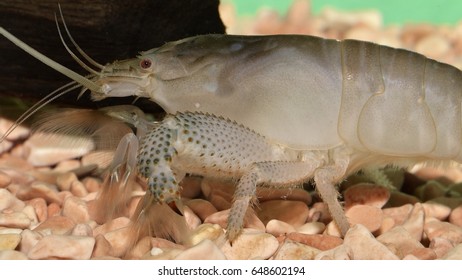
(280, 110)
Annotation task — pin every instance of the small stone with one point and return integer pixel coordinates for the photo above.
(399, 241)
(59, 225)
(454, 254)
(277, 228)
(441, 246)
(53, 209)
(205, 231)
(5, 230)
(319, 212)
(78, 189)
(64, 180)
(120, 240)
(366, 194)
(456, 216)
(67, 165)
(14, 220)
(165, 244)
(192, 220)
(414, 224)
(63, 247)
(205, 250)
(438, 211)
(82, 230)
(9, 201)
(112, 225)
(40, 189)
(292, 194)
(201, 207)
(76, 209)
(30, 213)
(28, 239)
(423, 254)
(12, 255)
(430, 190)
(294, 213)
(142, 248)
(369, 216)
(9, 241)
(445, 230)
(399, 214)
(291, 250)
(311, 228)
(333, 230)
(387, 224)
(102, 247)
(91, 184)
(433, 45)
(5, 179)
(318, 241)
(40, 206)
(251, 246)
(191, 187)
(451, 202)
(221, 218)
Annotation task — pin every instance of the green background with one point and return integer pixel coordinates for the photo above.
(394, 11)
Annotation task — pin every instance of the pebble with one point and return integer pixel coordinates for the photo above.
(205, 231)
(311, 228)
(250, 246)
(221, 218)
(59, 225)
(67, 165)
(277, 228)
(433, 45)
(92, 184)
(319, 241)
(63, 247)
(454, 254)
(369, 216)
(291, 250)
(9, 241)
(445, 230)
(64, 180)
(12, 255)
(114, 224)
(319, 213)
(456, 216)
(400, 241)
(76, 209)
(82, 230)
(30, 213)
(451, 202)
(102, 247)
(294, 213)
(29, 238)
(120, 240)
(9, 201)
(292, 194)
(191, 187)
(205, 250)
(14, 220)
(201, 207)
(40, 206)
(438, 211)
(359, 244)
(441, 246)
(40, 189)
(366, 194)
(53, 209)
(141, 248)
(398, 214)
(423, 254)
(219, 193)
(414, 224)
(5, 179)
(192, 220)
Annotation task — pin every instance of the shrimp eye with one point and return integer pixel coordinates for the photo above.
(145, 63)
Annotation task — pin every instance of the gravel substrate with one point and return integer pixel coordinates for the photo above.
(48, 206)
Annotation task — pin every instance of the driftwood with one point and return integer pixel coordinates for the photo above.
(106, 29)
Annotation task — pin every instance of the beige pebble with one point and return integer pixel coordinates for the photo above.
(367, 194)
(454, 254)
(363, 33)
(423, 254)
(76, 209)
(102, 247)
(63, 247)
(438, 211)
(164, 254)
(191, 187)
(142, 248)
(277, 228)
(53, 209)
(9, 241)
(398, 214)
(451, 202)
(359, 244)
(430, 190)
(441, 246)
(369, 216)
(294, 213)
(120, 240)
(414, 223)
(251, 245)
(221, 218)
(82, 230)
(40, 189)
(9, 201)
(5, 179)
(205, 231)
(292, 194)
(91, 184)
(114, 224)
(205, 250)
(67, 165)
(433, 45)
(30, 213)
(456, 216)
(319, 212)
(201, 207)
(399, 241)
(40, 206)
(387, 224)
(29, 238)
(165, 244)
(318, 241)
(57, 225)
(64, 180)
(445, 230)
(311, 228)
(6, 230)
(12, 255)
(332, 229)
(291, 250)
(14, 220)
(78, 189)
